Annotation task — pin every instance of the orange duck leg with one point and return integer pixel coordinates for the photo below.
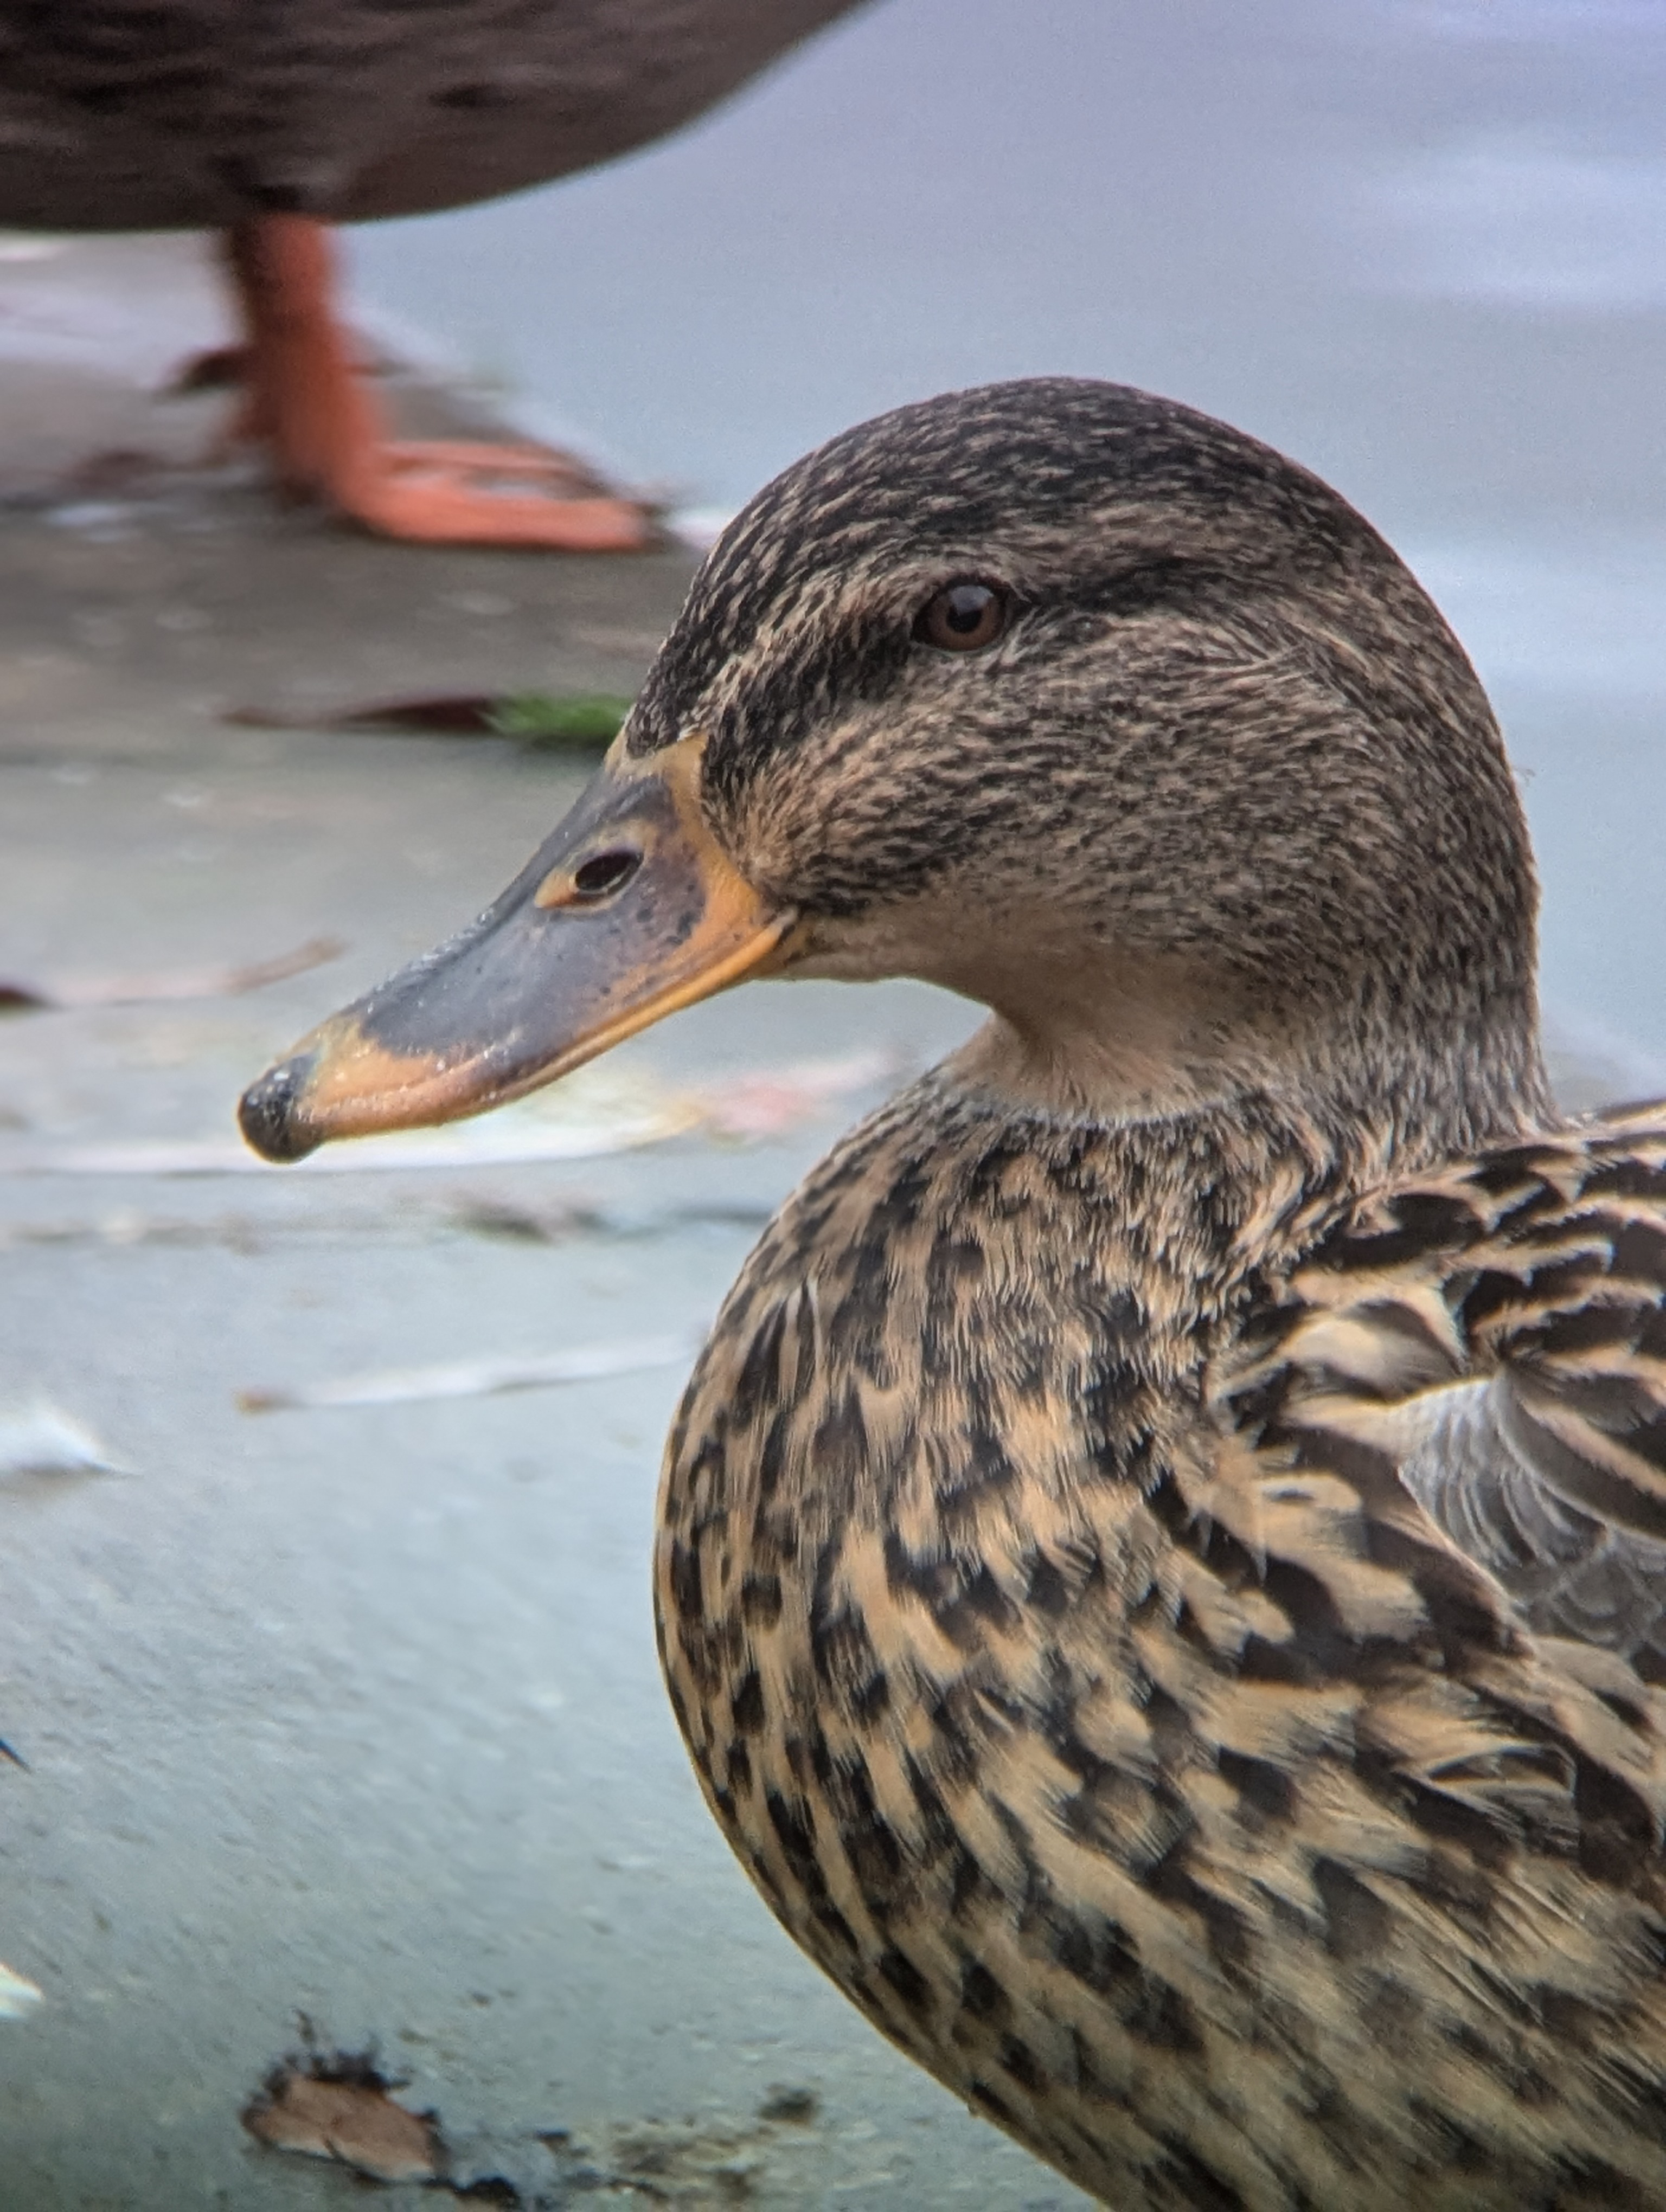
(305, 401)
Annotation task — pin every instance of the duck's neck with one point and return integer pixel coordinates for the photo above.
(1246, 1112)
(1181, 1209)
(961, 1243)
(1190, 1206)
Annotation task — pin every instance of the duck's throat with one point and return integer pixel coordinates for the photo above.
(1246, 1085)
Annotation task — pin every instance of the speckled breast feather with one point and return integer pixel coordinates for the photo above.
(1063, 1655)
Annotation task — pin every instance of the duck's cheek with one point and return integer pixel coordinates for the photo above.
(834, 954)
(630, 911)
(928, 937)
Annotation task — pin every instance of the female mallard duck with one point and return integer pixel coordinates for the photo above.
(1162, 1560)
(268, 122)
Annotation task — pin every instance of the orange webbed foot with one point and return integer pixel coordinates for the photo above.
(307, 400)
(447, 493)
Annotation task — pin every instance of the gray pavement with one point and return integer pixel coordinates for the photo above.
(353, 1713)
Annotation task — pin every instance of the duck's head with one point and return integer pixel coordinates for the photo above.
(1067, 698)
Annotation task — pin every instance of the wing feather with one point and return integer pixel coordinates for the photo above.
(1513, 1369)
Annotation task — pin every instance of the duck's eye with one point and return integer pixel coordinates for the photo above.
(603, 873)
(962, 617)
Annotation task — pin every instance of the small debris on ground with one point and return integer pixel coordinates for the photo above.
(553, 1222)
(189, 983)
(439, 715)
(790, 2107)
(212, 369)
(340, 2105)
(575, 721)
(18, 1997)
(578, 722)
(42, 1439)
(477, 1378)
(557, 1221)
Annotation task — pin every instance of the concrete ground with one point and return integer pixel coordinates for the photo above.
(344, 1722)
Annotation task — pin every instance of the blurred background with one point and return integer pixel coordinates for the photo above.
(1420, 245)
(330, 1657)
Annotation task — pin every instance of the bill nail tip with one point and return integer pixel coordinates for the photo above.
(269, 1115)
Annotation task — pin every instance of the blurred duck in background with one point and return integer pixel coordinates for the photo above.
(269, 123)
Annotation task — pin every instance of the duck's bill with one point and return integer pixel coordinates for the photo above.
(630, 911)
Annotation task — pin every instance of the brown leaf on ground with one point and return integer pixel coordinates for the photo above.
(114, 472)
(340, 2107)
(469, 714)
(216, 368)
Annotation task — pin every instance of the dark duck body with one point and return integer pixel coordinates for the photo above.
(197, 115)
(271, 121)
(1162, 1558)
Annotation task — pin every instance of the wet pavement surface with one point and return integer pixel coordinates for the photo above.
(344, 1722)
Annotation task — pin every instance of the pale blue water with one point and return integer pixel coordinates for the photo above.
(1418, 244)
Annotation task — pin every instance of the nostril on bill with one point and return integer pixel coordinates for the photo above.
(269, 1112)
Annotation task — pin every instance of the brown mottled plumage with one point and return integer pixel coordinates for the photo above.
(1161, 1559)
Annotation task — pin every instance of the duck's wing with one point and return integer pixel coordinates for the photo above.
(1499, 1334)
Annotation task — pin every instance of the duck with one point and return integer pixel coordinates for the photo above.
(1161, 1563)
(272, 126)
